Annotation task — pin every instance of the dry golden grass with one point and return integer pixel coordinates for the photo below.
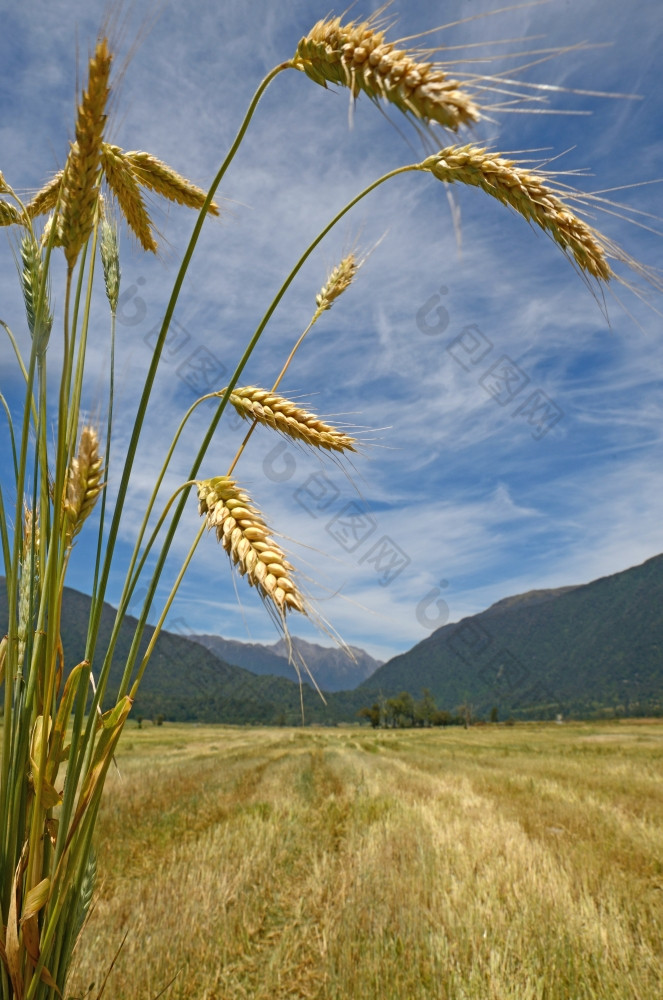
(500, 864)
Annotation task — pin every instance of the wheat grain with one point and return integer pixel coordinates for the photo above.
(81, 175)
(162, 179)
(246, 538)
(281, 414)
(356, 55)
(83, 482)
(530, 193)
(123, 184)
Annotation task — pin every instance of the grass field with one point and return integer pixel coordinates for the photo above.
(505, 863)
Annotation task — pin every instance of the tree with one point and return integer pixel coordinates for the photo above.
(372, 714)
(441, 717)
(465, 714)
(400, 710)
(425, 709)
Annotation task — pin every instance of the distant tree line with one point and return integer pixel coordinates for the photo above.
(404, 712)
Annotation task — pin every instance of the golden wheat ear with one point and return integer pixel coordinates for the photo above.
(162, 179)
(46, 198)
(246, 538)
(282, 415)
(357, 55)
(80, 183)
(83, 482)
(124, 186)
(9, 216)
(340, 278)
(531, 194)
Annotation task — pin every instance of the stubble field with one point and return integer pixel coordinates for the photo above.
(507, 863)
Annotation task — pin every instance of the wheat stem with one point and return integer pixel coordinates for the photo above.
(164, 613)
(231, 385)
(140, 418)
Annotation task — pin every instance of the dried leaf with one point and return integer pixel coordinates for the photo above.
(35, 899)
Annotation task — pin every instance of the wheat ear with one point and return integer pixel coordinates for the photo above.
(32, 275)
(9, 215)
(281, 414)
(246, 538)
(29, 585)
(110, 260)
(46, 198)
(83, 482)
(81, 175)
(356, 55)
(162, 179)
(123, 184)
(530, 193)
(340, 278)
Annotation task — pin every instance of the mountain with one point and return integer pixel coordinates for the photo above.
(578, 650)
(183, 681)
(332, 668)
(581, 651)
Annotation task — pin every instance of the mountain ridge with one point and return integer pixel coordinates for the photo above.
(584, 650)
(332, 667)
(573, 649)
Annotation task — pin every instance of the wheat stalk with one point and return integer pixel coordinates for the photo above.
(356, 55)
(81, 174)
(162, 179)
(83, 482)
(281, 414)
(530, 193)
(246, 538)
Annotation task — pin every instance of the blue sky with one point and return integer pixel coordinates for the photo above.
(462, 493)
